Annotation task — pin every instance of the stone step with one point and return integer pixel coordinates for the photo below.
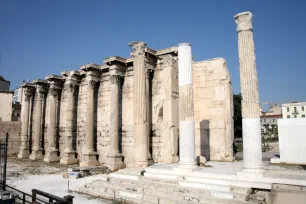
(126, 176)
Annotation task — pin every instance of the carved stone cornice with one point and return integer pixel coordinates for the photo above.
(92, 84)
(115, 79)
(138, 48)
(244, 21)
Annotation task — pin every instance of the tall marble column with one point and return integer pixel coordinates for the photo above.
(89, 155)
(25, 116)
(55, 85)
(139, 106)
(68, 156)
(39, 97)
(252, 154)
(114, 157)
(186, 114)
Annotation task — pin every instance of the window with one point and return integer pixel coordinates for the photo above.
(287, 109)
(303, 116)
(264, 120)
(294, 109)
(295, 116)
(273, 120)
(302, 108)
(288, 116)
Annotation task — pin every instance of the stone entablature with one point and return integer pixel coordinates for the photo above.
(85, 99)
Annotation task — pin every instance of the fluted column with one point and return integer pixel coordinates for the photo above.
(68, 156)
(114, 158)
(139, 106)
(52, 151)
(37, 149)
(252, 154)
(89, 155)
(25, 115)
(186, 115)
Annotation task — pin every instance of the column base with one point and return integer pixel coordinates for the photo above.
(68, 158)
(51, 157)
(186, 167)
(23, 153)
(89, 159)
(36, 155)
(114, 161)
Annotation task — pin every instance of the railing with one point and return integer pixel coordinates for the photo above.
(3, 162)
(51, 198)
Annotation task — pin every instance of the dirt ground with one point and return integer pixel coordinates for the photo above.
(25, 175)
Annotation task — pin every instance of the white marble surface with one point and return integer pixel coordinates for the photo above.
(292, 140)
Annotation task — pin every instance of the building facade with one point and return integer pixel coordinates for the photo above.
(294, 110)
(99, 114)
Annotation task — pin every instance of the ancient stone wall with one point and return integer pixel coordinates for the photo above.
(13, 128)
(127, 117)
(213, 109)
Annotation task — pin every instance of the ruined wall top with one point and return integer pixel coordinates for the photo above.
(244, 21)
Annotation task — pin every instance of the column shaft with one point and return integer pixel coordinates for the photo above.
(25, 115)
(114, 114)
(187, 136)
(37, 150)
(51, 154)
(114, 158)
(89, 154)
(68, 156)
(252, 154)
(140, 113)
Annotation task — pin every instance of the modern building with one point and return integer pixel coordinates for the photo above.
(294, 110)
(4, 84)
(268, 120)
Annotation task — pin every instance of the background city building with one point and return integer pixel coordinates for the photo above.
(294, 110)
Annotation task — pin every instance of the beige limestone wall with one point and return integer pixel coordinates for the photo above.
(213, 109)
(6, 105)
(103, 110)
(62, 121)
(127, 117)
(14, 129)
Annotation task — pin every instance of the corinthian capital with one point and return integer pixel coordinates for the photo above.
(53, 92)
(115, 79)
(92, 84)
(138, 48)
(70, 87)
(243, 21)
(27, 95)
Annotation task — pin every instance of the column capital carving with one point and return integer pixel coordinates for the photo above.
(92, 84)
(138, 48)
(115, 79)
(27, 94)
(244, 21)
(53, 92)
(70, 87)
(148, 73)
(167, 60)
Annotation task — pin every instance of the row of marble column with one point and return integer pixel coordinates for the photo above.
(252, 149)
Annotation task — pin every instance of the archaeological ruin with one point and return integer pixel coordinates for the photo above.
(125, 111)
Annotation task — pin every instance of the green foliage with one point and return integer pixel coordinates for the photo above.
(237, 115)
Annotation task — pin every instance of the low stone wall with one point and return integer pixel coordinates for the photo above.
(13, 128)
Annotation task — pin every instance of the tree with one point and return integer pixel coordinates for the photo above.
(237, 115)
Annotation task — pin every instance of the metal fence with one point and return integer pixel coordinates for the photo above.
(3, 162)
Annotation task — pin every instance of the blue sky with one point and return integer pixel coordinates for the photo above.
(38, 38)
